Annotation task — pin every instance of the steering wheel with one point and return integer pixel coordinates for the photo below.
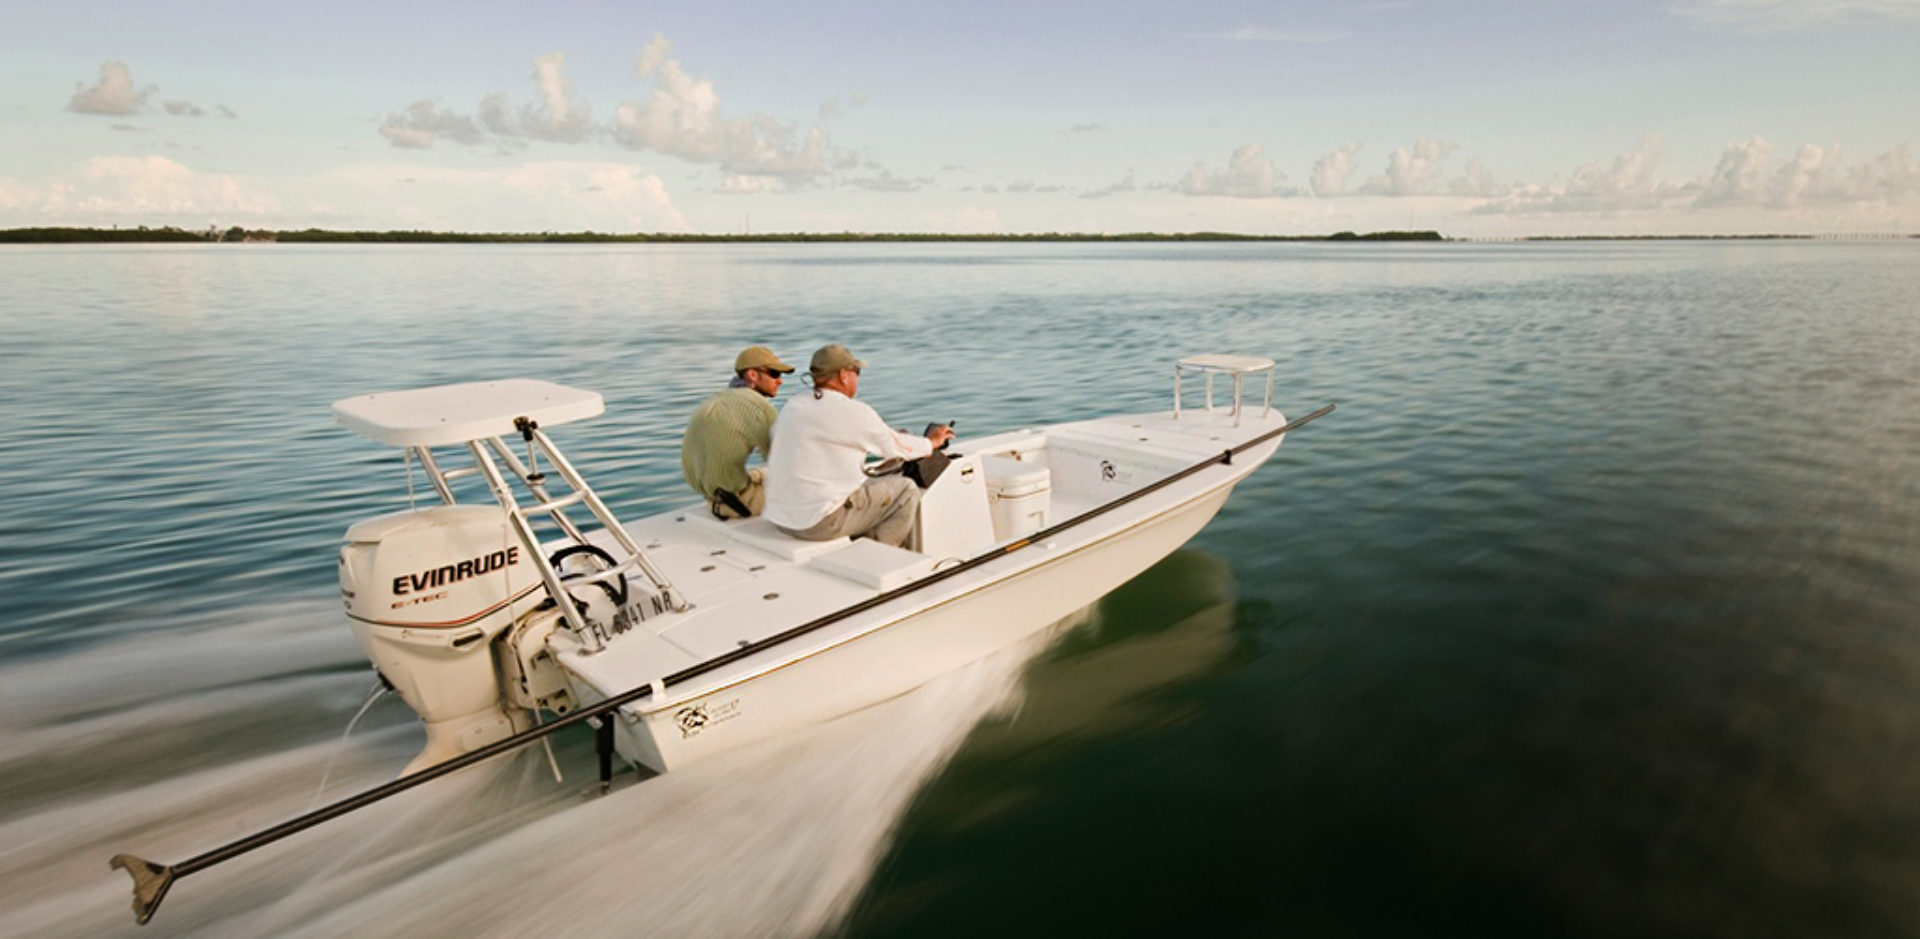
(557, 559)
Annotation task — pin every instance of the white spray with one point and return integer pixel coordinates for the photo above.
(771, 840)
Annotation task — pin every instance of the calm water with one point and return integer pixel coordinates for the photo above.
(1591, 611)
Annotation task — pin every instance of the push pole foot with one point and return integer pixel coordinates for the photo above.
(150, 883)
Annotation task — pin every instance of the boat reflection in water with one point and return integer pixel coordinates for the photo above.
(1120, 675)
(1165, 626)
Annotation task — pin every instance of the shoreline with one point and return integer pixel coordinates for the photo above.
(172, 235)
(323, 236)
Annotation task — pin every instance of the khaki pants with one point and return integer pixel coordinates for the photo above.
(754, 497)
(882, 509)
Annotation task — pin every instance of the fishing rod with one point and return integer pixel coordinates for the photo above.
(151, 880)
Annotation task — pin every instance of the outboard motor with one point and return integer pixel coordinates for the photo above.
(427, 591)
(448, 602)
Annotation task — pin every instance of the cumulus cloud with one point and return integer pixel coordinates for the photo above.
(423, 122)
(640, 198)
(1813, 175)
(155, 184)
(1476, 182)
(886, 181)
(654, 56)
(532, 196)
(557, 115)
(1410, 172)
(1330, 172)
(683, 118)
(1248, 175)
(1124, 185)
(1738, 177)
(1746, 175)
(1773, 15)
(1086, 128)
(558, 196)
(1889, 177)
(1024, 187)
(113, 94)
(184, 109)
(1626, 183)
(106, 190)
(1803, 175)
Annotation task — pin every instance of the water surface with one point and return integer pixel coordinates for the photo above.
(1589, 611)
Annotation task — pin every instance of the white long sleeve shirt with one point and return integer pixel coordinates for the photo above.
(820, 444)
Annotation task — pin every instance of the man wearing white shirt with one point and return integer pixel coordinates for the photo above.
(817, 488)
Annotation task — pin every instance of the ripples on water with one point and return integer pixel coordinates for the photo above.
(1590, 610)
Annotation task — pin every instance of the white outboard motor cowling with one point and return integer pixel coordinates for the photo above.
(427, 591)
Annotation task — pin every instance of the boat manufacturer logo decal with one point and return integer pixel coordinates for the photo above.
(448, 574)
(695, 718)
(691, 720)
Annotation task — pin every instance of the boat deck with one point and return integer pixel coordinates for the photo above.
(747, 582)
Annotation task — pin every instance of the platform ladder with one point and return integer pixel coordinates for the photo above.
(484, 452)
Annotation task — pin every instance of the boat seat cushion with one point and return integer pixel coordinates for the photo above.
(760, 534)
(871, 564)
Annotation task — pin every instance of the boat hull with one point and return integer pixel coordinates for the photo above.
(902, 654)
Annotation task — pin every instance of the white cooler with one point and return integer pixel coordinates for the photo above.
(1018, 494)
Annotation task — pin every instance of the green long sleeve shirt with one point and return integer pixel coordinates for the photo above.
(723, 431)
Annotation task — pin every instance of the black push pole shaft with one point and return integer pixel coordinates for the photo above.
(603, 748)
(151, 881)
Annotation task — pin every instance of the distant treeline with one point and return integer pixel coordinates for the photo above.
(320, 236)
(315, 235)
(1761, 237)
(100, 234)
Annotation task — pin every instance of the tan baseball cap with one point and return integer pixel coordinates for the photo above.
(759, 357)
(831, 359)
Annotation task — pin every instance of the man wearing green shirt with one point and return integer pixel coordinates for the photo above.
(726, 428)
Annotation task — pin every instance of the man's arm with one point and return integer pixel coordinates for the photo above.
(883, 441)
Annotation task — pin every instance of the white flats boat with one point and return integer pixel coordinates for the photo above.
(679, 636)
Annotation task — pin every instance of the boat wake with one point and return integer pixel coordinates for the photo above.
(172, 743)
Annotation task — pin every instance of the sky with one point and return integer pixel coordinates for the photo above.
(1475, 118)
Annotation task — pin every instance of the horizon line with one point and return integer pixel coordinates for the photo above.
(239, 234)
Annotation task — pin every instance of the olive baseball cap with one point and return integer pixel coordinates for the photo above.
(831, 359)
(760, 357)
